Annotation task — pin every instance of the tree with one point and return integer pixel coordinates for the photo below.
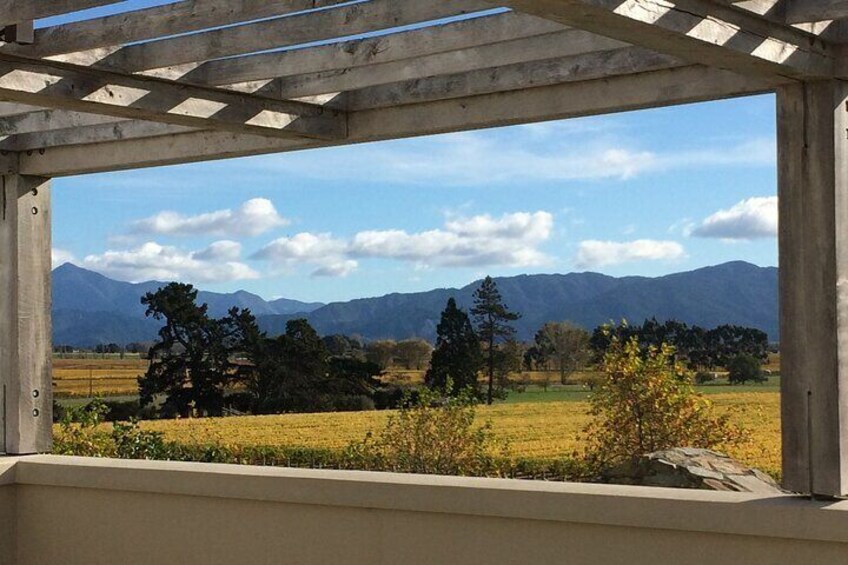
(743, 368)
(566, 344)
(492, 318)
(413, 353)
(646, 403)
(381, 353)
(191, 362)
(291, 370)
(456, 360)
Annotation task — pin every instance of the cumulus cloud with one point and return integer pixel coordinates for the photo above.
(754, 218)
(593, 253)
(511, 240)
(152, 261)
(252, 218)
(61, 256)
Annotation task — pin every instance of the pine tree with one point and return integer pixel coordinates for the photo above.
(457, 354)
(492, 318)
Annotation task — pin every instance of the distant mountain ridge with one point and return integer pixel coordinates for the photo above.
(90, 308)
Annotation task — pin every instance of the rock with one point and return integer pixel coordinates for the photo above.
(686, 467)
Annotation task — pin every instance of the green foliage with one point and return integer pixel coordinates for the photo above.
(744, 368)
(492, 319)
(647, 403)
(704, 377)
(80, 433)
(435, 435)
(191, 362)
(565, 345)
(457, 358)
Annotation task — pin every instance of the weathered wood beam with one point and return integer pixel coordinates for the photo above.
(159, 21)
(801, 11)
(82, 89)
(14, 11)
(813, 240)
(276, 33)
(553, 45)
(698, 31)
(674, 86)
(34, 131)
(114, 131)
(532, 74)
(25, 337)
(453, 36)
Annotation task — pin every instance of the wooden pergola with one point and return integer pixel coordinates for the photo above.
(195, 80)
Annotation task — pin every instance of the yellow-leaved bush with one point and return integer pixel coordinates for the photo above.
(646, 402)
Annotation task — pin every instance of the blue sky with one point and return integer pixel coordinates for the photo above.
(648, 193)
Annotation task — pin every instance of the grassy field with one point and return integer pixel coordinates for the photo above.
(534, 428)
(97, 377)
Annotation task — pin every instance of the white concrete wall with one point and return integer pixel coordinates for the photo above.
(101, 511)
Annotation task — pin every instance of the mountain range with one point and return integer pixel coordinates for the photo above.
(89, 308)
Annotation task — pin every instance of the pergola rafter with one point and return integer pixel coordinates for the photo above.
(196, 80)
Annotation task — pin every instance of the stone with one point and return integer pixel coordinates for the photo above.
(687, 467)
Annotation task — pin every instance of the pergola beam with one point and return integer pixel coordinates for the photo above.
(277, 33)
(801, 11)
(82, 89)
(398, 46)
(673, 86)
(698, 31)
(159, 21)
(14, 11)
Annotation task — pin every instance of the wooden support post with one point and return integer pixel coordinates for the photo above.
(25, 326)
(813, 190)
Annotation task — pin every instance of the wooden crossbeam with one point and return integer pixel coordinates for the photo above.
(551, 46)
(298, 29)
(800, 11)
(14, 11)
(673, 86)
(699, 31)
(159, 21)
(533, 74)
(346, 55)
(83, 89)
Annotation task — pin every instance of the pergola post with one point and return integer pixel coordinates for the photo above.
(25, 323)
(813, 191)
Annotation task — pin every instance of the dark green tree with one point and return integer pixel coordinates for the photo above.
(456, 358)
(192, 362)
(291, 370)
(492, 318)
(743, 368)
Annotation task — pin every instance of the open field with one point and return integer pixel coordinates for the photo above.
(97, 377)
(544, 430)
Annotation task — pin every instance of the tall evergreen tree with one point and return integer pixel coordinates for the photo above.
(493, 325)
(457, 354)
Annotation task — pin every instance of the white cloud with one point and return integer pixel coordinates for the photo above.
(252, 218)
(593, 253)
(61, 256)
(754, 218)
(511, 240)
(152, 261)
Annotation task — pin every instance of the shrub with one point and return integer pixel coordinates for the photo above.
(704, 377)
(646, 403)
(80, 432)
(744, 368)
(438, 434)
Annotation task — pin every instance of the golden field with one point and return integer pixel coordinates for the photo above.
(98, 377)
(533, 429)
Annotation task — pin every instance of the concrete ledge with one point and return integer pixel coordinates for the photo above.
(610, 505)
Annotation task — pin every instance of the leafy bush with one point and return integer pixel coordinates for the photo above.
(704, 377)
(437, 434)
(646, 403)
(744, 368)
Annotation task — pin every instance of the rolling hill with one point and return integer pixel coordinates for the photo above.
(90, 308)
